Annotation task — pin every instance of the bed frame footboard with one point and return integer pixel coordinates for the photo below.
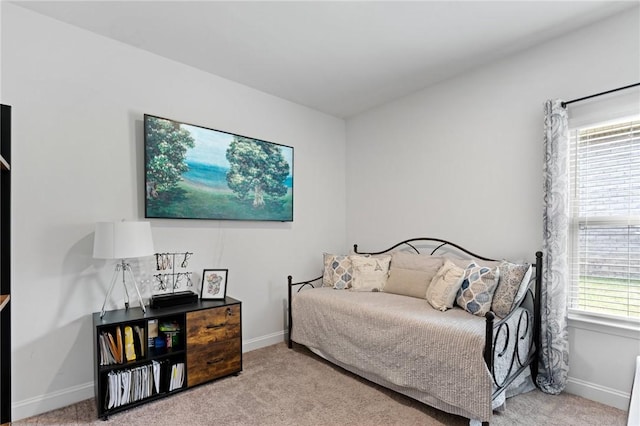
(527, 320)
(300, 285)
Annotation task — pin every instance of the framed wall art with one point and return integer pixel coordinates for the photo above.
(214, 284)
(193, 172)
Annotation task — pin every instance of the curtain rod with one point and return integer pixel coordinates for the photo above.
(564, 104)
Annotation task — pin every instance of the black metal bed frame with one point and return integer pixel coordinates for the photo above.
(517, 361)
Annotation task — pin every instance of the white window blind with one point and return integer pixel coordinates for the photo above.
(605, 218)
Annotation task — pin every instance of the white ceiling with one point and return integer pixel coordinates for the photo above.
(340, 57)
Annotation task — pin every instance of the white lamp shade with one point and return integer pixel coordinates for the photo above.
(122, 240)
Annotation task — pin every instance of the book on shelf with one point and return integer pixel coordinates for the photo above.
(116, 349)
(119, 346)
(110, 347)
(139, 341)
(106, 356)
(152, 326)
(129, 349)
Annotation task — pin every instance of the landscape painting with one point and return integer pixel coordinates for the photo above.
(193, 172)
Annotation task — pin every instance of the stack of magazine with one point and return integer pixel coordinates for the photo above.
(130, 385)
(177, 376)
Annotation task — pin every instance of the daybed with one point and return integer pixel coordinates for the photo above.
(428, 319)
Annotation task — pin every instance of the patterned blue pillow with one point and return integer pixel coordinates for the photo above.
(338, 271)
(478, 286)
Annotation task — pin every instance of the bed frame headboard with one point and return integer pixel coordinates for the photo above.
(437, 246)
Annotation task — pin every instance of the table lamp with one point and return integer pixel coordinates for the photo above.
(122, 240)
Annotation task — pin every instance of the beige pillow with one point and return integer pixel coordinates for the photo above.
(463, 263)
(407, 282)
(411, 273)
(442, 291)
(417, 262)
(369, 273)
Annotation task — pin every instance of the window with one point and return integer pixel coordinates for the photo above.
(605, 218)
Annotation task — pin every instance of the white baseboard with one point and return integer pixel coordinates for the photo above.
(598, 393)
(51, 401)
(61, 398)
(263, 341)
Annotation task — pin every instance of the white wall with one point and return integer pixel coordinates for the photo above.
(463, 161)
(78, 101)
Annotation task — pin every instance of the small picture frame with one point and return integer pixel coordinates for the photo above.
(214, 284)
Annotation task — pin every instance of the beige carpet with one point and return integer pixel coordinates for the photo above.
(280, 386)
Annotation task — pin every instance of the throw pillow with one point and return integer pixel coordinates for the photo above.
(442, 291)
(407, 282)
(463, 263)
(410, 273)
(417, 262)
(511, 276)
(337, 271)
(369, 273)
(524, 285)
(477, 288)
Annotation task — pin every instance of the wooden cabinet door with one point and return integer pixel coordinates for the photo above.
(214, 344)
(213, 325)
(216, 360)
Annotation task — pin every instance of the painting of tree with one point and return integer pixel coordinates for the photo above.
(194, 172)
(166, 146)
(257, 168)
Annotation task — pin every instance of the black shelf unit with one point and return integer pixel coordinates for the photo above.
(5, 264)
(164, 355)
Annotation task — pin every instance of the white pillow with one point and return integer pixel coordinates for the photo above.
(369, 273)
(443, 289)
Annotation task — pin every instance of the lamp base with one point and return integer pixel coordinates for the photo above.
(124, 267)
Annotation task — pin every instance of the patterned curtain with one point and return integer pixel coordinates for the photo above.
(554, 350)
